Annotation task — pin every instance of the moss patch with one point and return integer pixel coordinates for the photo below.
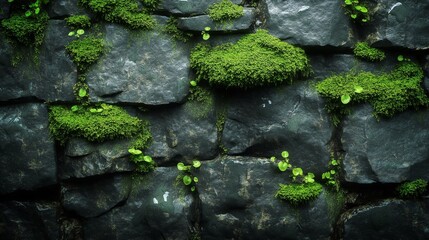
(412, 189)
(177, 34)
(257, 59)
(200, 102)
(364, 51)
(387, 93)
(125, 12)
(97, 124)
(297, 194)
(85, 51)
(225, 10)
(78, 21)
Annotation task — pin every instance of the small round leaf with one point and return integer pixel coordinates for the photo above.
(80, 31)
(285, 154)
(82, 92)
(282, 166)
(187, 180)
(196, 179)
(297, 171)
(206, 36)
(181, 166)
(147, 159)
(193, 83)
(345, 98)
(196, 164)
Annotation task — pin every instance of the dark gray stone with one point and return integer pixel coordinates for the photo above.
(29, 220)
(83, 159)
(4, 9)
(65, 8)
(140, 67)
(389, 219)
(292, 118)
(426, 70)
(387, 151)
(310, 23)
(94, 197)
(237, 201)
(157, 208)
(27, 152)
(178, 134)
(198, 23)
(189, 7)
(400, 23)
(51, 80)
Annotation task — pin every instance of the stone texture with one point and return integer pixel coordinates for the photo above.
(65, 8)
(400, 23)
(93, 197)
(292, 118)
(237, 201)
(198, 23)
(4, 9)
(387, 151)
(29, 220)
(389, 219)
(51, 80)
(188, 7)
(140, 67)
(84, 159)
(27, 152)
(157, 208)
(310, 23)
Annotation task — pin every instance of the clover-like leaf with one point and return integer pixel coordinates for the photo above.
(273, 159)
(80, 31)
(345, 98)
(187, 180)
(196, 164)
(332, 172)
(285, 154)
(82, 92)
(206, 36)
(282, 166)
(297, 172)
(196, 179)
(181, 166)
(400, 58)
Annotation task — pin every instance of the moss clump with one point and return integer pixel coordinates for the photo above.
(78, 21)
(364, 51)
(85, 51)
(200, 102)
(225, 10)
(125, 12)
(257, 59)
(412, 189)
(172, 30)
(297, 194)
(97, 124)
(388, 93)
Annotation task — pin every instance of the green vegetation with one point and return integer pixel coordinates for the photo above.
(364, 51)
(206, 34)
(225, 10)
(81, 92)
(97, 124)
(78, 21)
(172, 30)
(125, 12)
(257, 59)
(200, 102)
(85, 51)
(186, 174)
(412, 189)
(357, 11)
(143, 163)
(388, 93)
(297, 194)
(331, 176)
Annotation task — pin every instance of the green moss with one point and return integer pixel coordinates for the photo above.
(257, 59)
(297, 194)
(172, 30)
(412, 189)
(225, 10)
(85, 51)
(106, 123)
(364, 51)
(78, 21)
(200, 102)
(125, 12)
(388, 93)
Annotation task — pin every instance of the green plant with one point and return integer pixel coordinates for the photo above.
(297, 194)
(331, 176)
(225, 10)
(143, 162)
(125, 12)
(34, 8)
(257, 59)
(364, 51)
(357, 11)
(206, 34)
(388, 93)
(200, 102)
(186, 174)
(412, 189)
(78, 21)
(81, 92)
(77, 33)
(171, 29)
(96, 123)
(85, 51)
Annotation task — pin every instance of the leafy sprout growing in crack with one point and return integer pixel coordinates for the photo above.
(186, 174)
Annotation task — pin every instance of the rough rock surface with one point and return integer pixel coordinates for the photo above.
(188, 7)
(389, 219)
(310, 23)
(141, 67)
(29, 220)
(400, 23)
(157, 208)
(237, 201)
(198, 23)
(27, 156)
(65, 8)
(292, 118)
(387, 151)
(51, 80)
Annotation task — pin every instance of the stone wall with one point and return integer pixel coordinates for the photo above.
(86, 190)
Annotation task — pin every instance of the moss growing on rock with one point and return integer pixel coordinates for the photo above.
(97, 124)
(412, 189)
(225, 10)
(364, 51)
(388, 93)
(177, 34)
(257, 59)
(85, 51)
(28, 31)
(297, 194)
(78, 21)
